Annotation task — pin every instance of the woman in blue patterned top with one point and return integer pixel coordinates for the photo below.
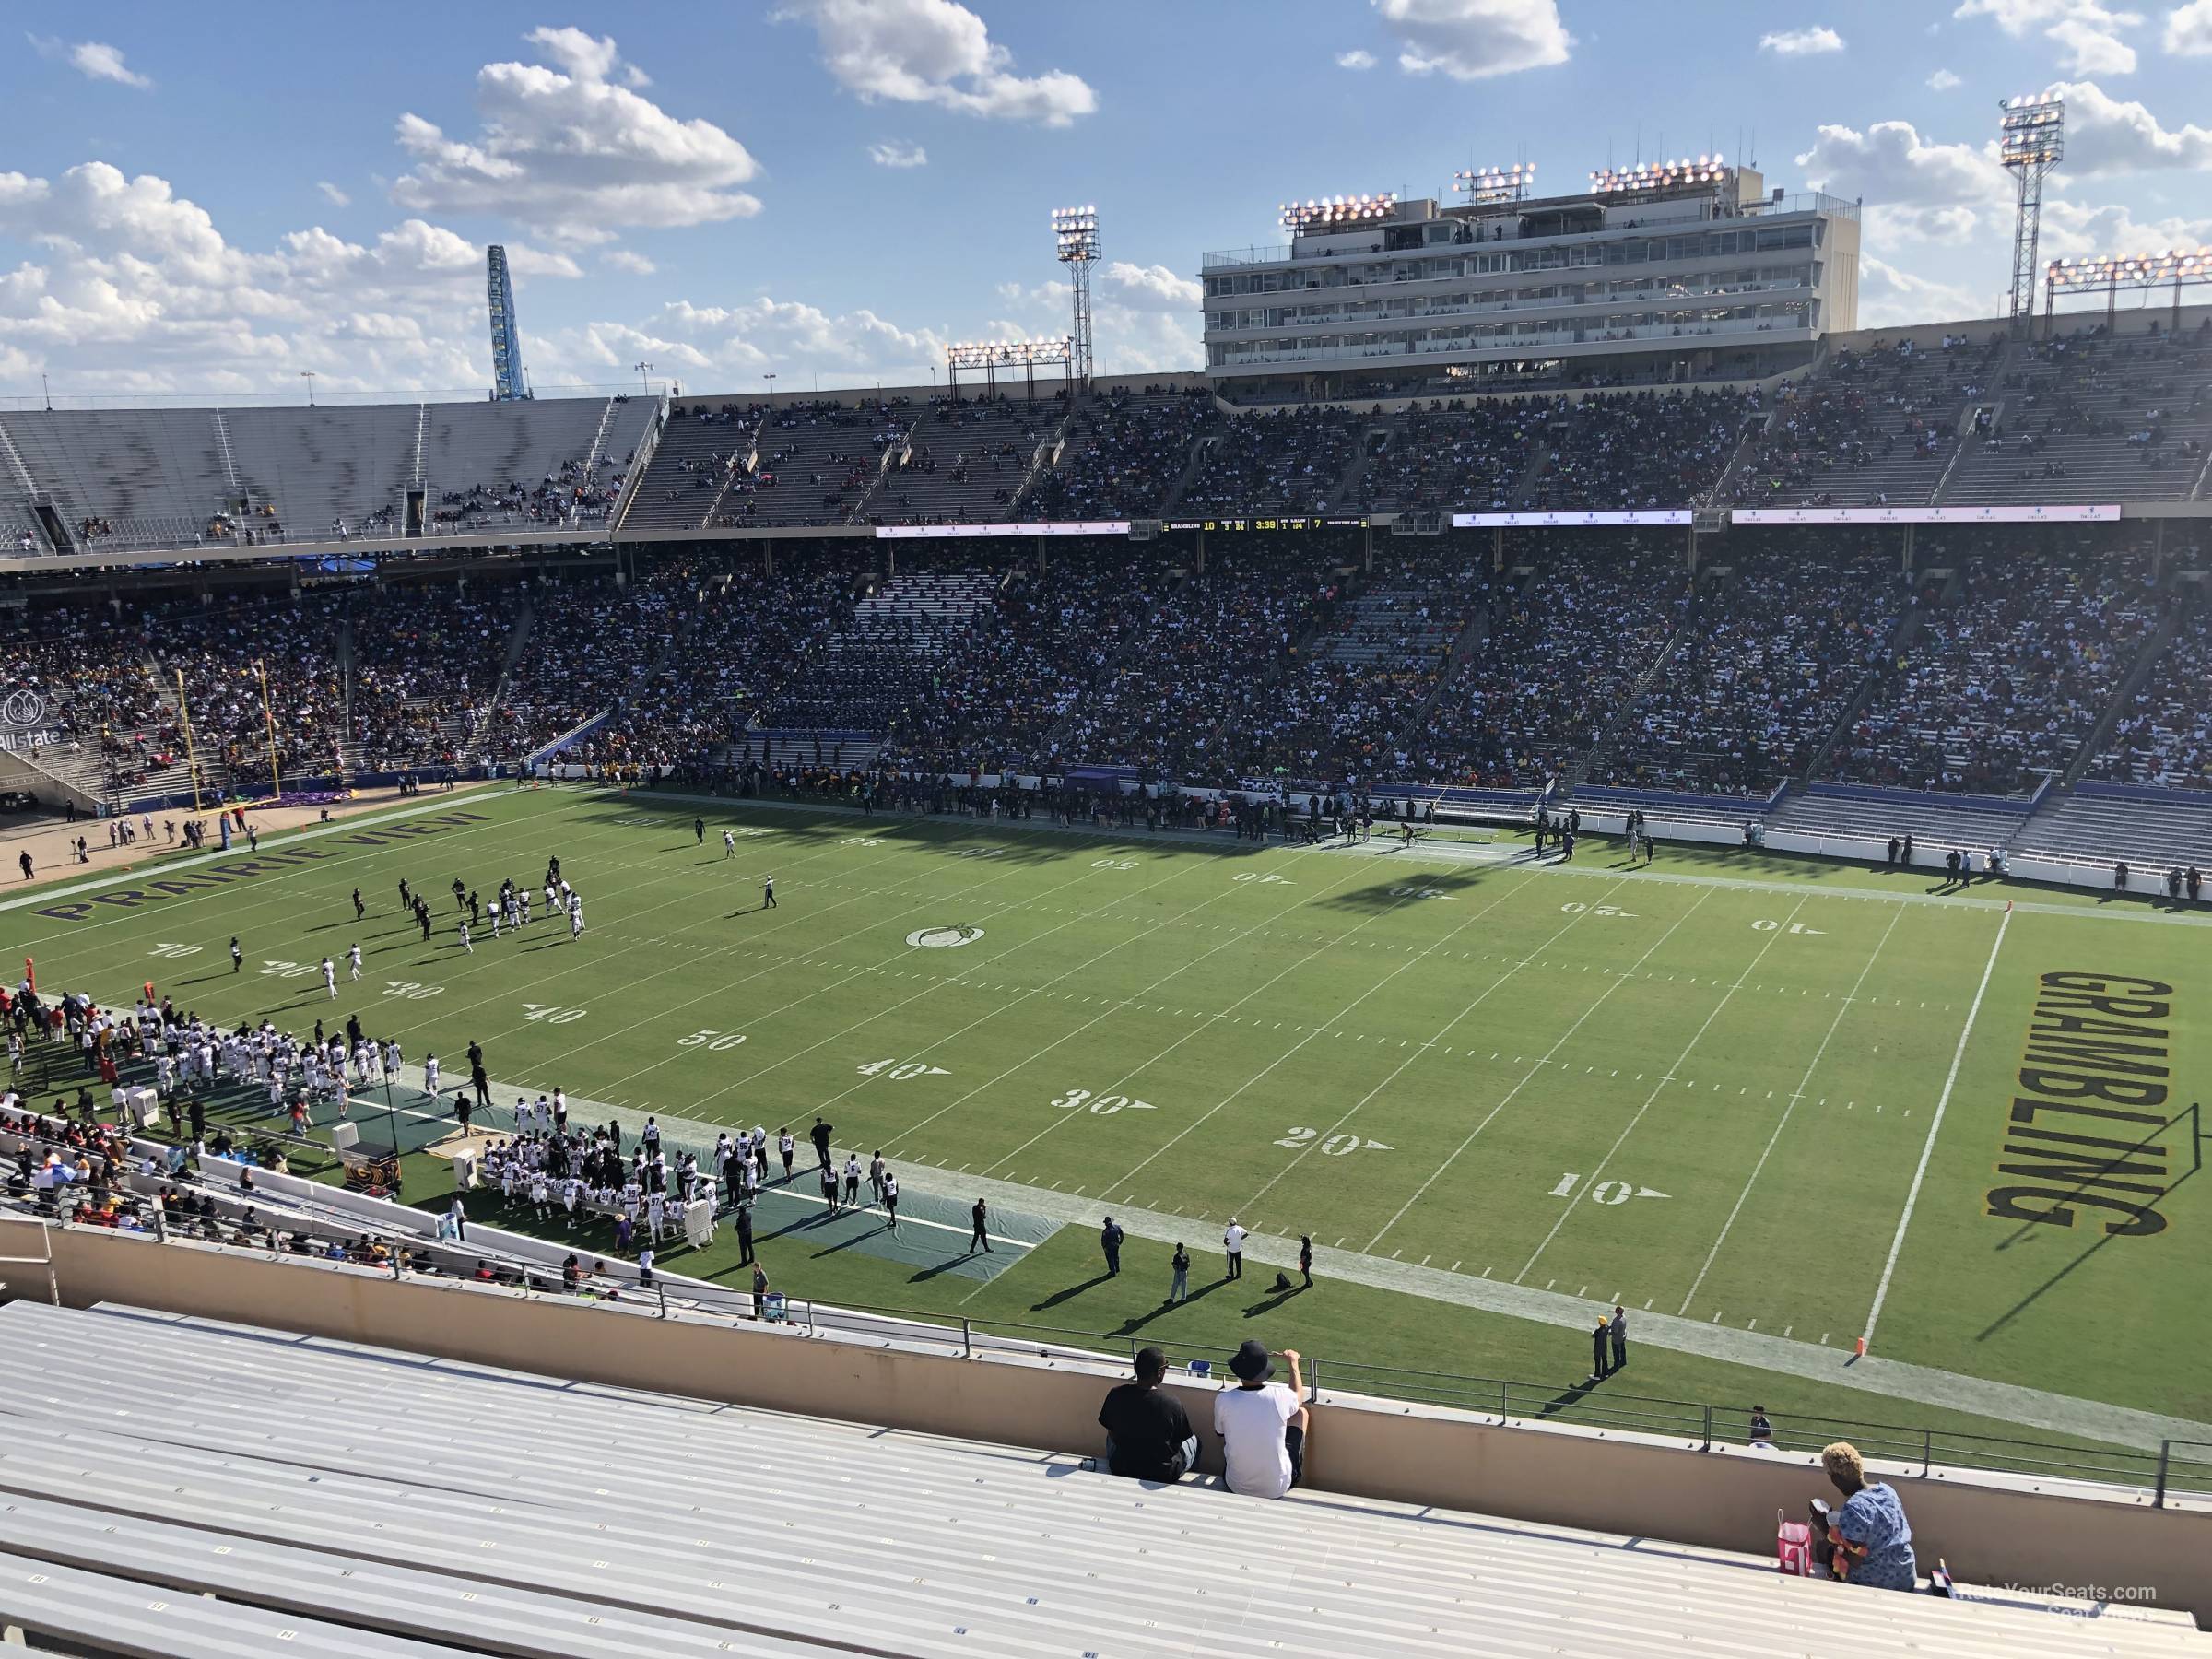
(1872, 1540)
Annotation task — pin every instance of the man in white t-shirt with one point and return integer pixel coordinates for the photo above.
(1233, 1244)
(1261, 1425)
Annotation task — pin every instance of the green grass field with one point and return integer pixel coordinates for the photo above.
(1711, 1091)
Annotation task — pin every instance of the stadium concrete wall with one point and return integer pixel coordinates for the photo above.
(1990, 1529)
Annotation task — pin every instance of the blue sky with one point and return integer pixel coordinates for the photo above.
(213, 200)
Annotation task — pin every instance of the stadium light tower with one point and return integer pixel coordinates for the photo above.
(1075, 232)
(2033, 141)
(507, 383)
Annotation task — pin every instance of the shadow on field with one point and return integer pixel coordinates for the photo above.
(1389, 894)
(2028, 1232)
(1129, 1327)
(1271, 1303)
(801, 827)
(1057, 1297)
(1567, 1399)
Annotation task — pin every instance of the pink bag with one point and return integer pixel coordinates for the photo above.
(1792, 1547)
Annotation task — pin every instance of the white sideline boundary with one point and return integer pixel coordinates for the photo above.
(1881, 1292)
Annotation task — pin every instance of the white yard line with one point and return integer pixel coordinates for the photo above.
(930, 902)
(1881, 1292)
(1803, 1083)
(1114, 1008)
(597, 963)
(966, 976)
(1658, 1088)
(1327, 1024)
(1507, 1098)
(1298, 1156)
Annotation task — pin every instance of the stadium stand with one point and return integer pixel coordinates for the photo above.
(1869, 816)
(422, 667)
(1639, 449)
(963, 461)
(1867, 428)
(2164, 733)
(1195, 698)
(1778, 649)
(748, 1531)
(1568, 643)
(1011, 693)
(215, 649)
(1123, 456)
(1284, 462)
(1451, 456)
(703, 455)
(817, 461)
(155, 478)
(1362, 681)
(2094, 415)
(2011, 668)
(2094, 825)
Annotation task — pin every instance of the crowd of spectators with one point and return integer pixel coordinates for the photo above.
(590, 639)
(2012, 665)
(1471, 458)
(84, 672)
(1199, 697)
(1287, 462)
(1565, 648)
(1871, 428)
(1346, 706)
(1779, 648)
(1004, 687)
(2164, 735)
(424, 660)
(223, 649)
(1123, 455)
(2148, 390)
(1641, 448)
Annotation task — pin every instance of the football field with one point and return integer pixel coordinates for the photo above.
(1803, 1103)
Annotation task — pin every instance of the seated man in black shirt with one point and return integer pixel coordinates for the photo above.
(1148, 1436)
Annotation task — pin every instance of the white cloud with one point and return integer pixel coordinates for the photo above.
(2105, 135)
(1912, 188)
(1146, 287)
(1942, 80)
(2087, 31)
(898, 153)
(2076, 228)
(1471, 38)
(95, 60)
(333, 194)
(622, 259)
(935, 51)
(714, 347)
(1802, 42)
(2189, 30)
(124, 286)
(1143, 324)
(2093, 51)
(1354, 60)
(568, 152)
(1889, 297)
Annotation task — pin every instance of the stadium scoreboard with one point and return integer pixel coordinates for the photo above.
(1269, 523)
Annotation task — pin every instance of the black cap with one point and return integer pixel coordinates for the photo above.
(1252, 1362)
